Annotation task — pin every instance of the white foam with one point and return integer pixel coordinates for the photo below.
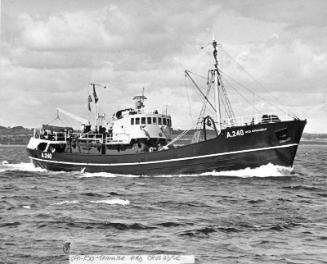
(106, 201)
(262, 171)
(23, 166)
(112, 201)
(105, 175)
(27, 206)
(67, 202)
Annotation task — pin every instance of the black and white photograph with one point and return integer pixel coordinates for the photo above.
(163, 132)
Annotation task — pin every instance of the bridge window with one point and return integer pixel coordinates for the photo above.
(149, 120)
(168, 122)
(132, 121)
(164, 121)
(154, 120)
(42, 146)
(159, 120)
(143, 120)
(137, 121)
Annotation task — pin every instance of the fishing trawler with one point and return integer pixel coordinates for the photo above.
(139, 141)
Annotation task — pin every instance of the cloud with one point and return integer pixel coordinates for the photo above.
(62, 32)
(51, 51)
(292, 12)
(293, 66)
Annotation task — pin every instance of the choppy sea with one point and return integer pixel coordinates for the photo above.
(266, 215)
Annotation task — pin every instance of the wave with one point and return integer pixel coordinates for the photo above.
(173, 224)
(112, 201)
(304, 187)
(67, 202)
(105, 225)
(243, 227)
(106, 201)
(10, 224)
(205, 231)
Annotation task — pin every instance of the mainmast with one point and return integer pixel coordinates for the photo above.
(216, 78)
(221, 97)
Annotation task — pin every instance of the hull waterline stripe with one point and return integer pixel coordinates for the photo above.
(162, 161)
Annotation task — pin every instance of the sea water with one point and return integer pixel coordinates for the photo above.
(267, 215)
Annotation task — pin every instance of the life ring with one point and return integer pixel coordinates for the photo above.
(151, 149)
(52, 149)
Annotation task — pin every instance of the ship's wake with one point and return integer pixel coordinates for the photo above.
(268, 170)
(22, 166)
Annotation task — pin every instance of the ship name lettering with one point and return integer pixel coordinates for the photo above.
(259, 129)
(235, 133)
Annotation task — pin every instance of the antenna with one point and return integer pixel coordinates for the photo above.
(139, 100)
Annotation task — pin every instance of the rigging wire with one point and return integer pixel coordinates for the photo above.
(252, 92)
(58, 118)
(189, 102)
(246, 88)
(199, 75)
(260, 84)
(240, 94)
(203, 109)
(229, 110)
(184, 132)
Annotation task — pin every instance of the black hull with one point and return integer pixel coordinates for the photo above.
(254, 146)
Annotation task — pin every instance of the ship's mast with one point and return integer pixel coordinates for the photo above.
(217, 77)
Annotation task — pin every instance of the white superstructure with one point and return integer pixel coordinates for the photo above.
(130, 130)
(139, 124)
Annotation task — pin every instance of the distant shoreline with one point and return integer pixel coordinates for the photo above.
(313, 142)
(13, 145)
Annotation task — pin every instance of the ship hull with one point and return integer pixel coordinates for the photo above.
(235, 148)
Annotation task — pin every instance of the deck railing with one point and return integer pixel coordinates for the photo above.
(256, 119)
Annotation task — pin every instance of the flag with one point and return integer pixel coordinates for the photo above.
(89, 101)
(96, 99)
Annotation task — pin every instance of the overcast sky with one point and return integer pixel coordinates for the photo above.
(51, 50)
